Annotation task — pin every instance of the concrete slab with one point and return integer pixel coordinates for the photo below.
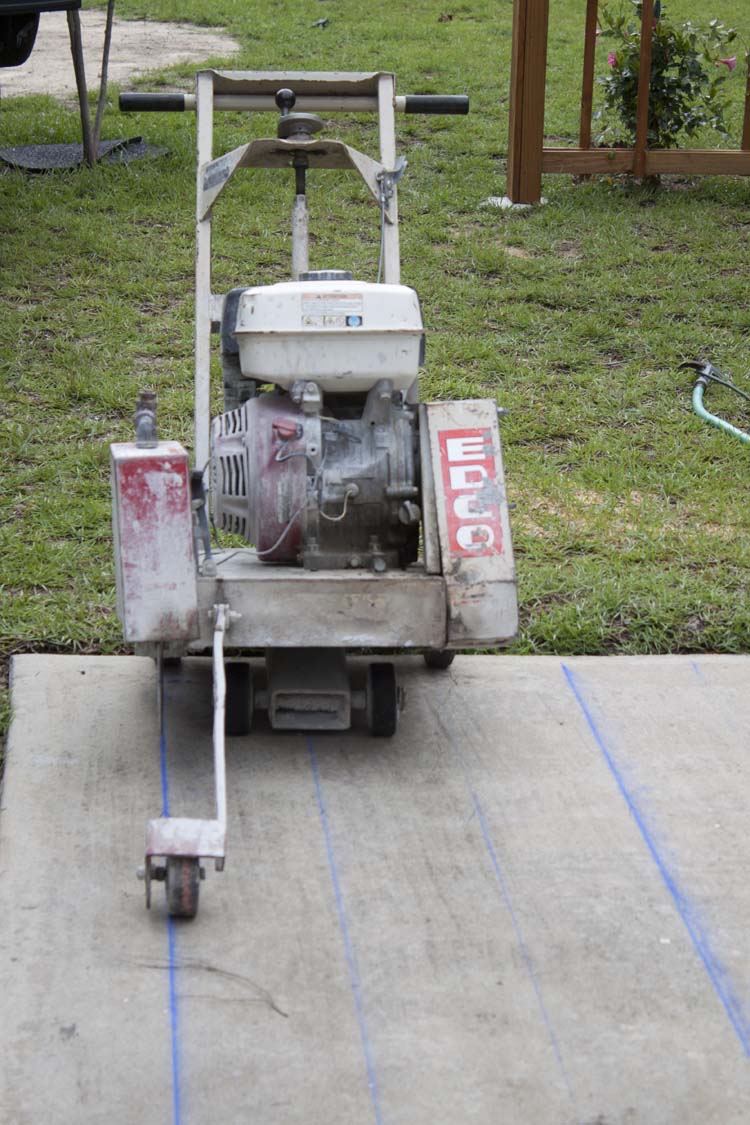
(530, 906)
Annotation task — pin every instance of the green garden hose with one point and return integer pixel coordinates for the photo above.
(707, 373)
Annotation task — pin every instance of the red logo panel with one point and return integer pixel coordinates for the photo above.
(472, 497)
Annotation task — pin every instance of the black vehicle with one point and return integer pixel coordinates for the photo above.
(19, 23)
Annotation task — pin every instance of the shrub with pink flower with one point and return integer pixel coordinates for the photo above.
(687, 74)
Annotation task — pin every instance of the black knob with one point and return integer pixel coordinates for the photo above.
(285, 99)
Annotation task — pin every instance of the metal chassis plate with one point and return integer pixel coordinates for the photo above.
(285, 607)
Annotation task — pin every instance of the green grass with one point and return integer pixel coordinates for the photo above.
(632, 517)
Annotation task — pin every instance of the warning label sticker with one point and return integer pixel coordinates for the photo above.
(332, 310)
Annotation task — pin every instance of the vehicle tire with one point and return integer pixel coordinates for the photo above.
(17, 37)
(439, 658)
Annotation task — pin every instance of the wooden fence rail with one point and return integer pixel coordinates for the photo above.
(528, 158)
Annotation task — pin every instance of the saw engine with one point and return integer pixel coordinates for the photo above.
(321, 469)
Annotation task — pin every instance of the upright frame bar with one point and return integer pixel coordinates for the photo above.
(205, 126)
(387, 138)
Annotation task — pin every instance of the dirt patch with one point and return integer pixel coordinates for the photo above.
(518, 252)
(570, 250)
(138, 46)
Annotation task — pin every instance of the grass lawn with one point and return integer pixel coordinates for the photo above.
(631, 517)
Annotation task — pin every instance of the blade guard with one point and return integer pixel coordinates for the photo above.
(473, 528)
(152, 522)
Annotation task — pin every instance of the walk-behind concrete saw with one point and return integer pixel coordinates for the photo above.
(376, 523)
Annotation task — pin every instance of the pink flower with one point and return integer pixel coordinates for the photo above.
(612, 58)
(729, 63)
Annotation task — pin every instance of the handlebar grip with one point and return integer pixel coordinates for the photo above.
(152, 103)
(437, 103)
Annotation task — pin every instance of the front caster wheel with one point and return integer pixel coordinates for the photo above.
(239, 704)
(383, 700)
(183, 882)
(439, 658)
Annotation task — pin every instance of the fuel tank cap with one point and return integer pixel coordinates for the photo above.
(326, 275)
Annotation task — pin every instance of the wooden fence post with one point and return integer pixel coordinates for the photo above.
(587, 85)
(527, 82)
(644, 89)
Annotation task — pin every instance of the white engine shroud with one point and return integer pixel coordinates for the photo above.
(345, 335)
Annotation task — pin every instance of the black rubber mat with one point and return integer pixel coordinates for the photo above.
(55, 158)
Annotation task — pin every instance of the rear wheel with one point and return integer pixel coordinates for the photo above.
(238, 717)
(17, 37)
(183, 882)
(439, 658)
(382, 700)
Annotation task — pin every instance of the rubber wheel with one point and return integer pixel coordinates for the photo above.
(183, 884)
(382, 700)
(439, 658)
(238, 716)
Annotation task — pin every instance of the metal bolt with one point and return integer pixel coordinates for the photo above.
(409, 513)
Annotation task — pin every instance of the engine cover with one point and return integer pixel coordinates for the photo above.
(323, 485)
(345, 335)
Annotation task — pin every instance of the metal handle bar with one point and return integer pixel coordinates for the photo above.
(327, 103)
